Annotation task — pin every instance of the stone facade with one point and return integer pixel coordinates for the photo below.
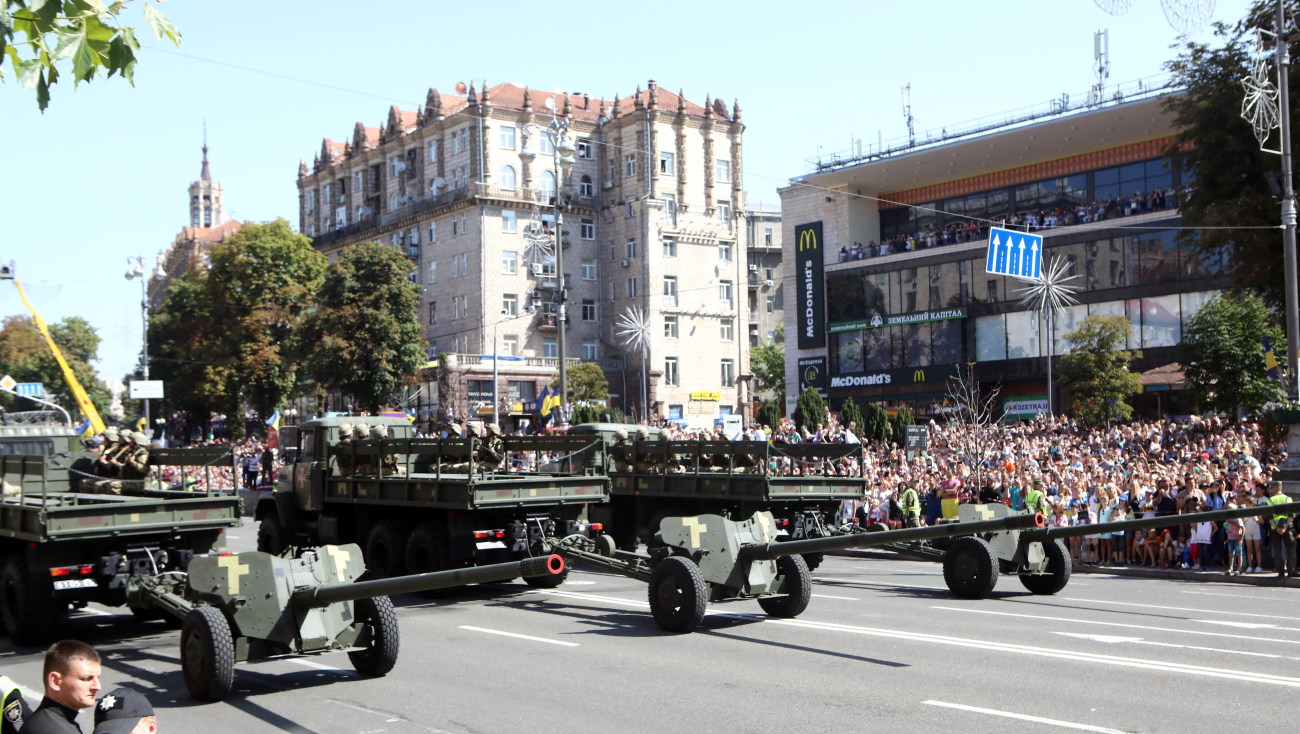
(651, 218)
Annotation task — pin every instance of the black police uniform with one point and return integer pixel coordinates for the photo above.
(52, 717)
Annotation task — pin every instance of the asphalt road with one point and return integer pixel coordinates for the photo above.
(883, 646)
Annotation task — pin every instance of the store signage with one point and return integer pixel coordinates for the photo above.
(810, 264)
(812, 373)
(899, 319)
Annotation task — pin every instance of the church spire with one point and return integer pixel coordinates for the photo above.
(205, 175)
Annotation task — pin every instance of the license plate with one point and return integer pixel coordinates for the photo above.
(489, 544)
(63, 584)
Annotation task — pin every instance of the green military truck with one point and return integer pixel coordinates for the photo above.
(63, 546)
(428, 504)
(802, 485)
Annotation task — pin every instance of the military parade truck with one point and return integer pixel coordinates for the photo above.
(62, 544)
(428, 504)
(801, 485)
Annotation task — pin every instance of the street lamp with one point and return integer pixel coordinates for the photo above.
(558, 129)
(496, 357)
(135, 270)
(1049, 295)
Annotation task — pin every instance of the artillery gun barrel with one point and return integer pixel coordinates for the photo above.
(1121, 526)
(770, 551)
(551, 565)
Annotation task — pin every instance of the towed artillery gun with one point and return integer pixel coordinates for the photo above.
(255, 606)
(971, 565)
(710, 558)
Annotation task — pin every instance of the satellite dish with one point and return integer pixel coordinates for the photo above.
(439, 182)
(550, 103)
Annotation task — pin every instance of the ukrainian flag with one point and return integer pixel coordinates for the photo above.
(1270, 361)
(274, 420)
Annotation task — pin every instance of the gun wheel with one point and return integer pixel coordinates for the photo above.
(207, 654)
(1058, 570)
(677, 594)
(270, 535)
(381, 637)
(969, 568)
(797, 588)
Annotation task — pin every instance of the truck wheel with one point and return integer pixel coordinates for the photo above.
(797, 589)
(813, 560)
(426, 551)
(28, 614)
(207, 654)
(380, 620)
(1058, 570)
(677, 594)
(969, 568)
(549, 581)
(271, 537)
(653, 541)
(386, 548)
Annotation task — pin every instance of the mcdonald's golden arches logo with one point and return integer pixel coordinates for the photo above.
(918, 376)
(808, 240)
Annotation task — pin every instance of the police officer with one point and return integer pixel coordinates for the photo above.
(911, 506)
(71, 674)
(1036, 499)
(14, 708)
(1281, 534)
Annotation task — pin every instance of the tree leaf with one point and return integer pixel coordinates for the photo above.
(43, 92)
(160, 25)
(45, 10)
(85, 61)
(29, 71)
(121, 59)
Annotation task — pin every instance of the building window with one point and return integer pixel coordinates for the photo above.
(433, 231)
(992, 290)
(611, 168)
(725, 294)
(771, 304)
(722, 171)
(395, 166)
(508, 220)
(550, 348)
(358, 214)
(670, 327)
(547, 185)
(629, 165)
(671, 377)
(413, 236)
(340, 217)
(455, 225)
(509, 262)
(587, 229)
(588, 310)
(588, 269)
(326, 194)
(629, 248)
(724, 252)
(629, 210)
(455, 142)
(464, 258)
(510, 345)
(728, 331)
(631, 287)
(589, 351)
(433, 312)
(464, 307)
(392, 202)
(311, 229)
(508, 180)
(433, 271)
(359, 183)
(667, 163)
(613, 292)
(433, 151)
(586, 187)
(724, 212)
(506, 137)
(670, 248)
(547, 143)
(767, 236)
(769, 274)
(510, 304)
(612, 253)
(670, 291)
(728, 373)
(311, 200)
(584, 149)
(433, 188)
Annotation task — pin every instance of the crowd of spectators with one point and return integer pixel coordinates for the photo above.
(972, 230)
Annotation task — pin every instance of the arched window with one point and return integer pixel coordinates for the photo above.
(548, 183)
(585, 187)
(433, 188)
(508, 177)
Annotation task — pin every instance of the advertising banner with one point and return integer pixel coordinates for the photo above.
(811, 267)
(812, 373)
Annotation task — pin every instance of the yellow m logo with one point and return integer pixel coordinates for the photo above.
(918, 376)
(808, 240)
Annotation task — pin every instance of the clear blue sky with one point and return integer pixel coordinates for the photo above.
(103, 173)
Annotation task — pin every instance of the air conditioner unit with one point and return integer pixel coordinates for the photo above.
(753, 268)
(536, 268)
(608, 184)
(626, 263)
(767, 283)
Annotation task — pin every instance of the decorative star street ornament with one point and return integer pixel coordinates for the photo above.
(1051, 292)
(539, 240)
(1262, 104)
(634, 329)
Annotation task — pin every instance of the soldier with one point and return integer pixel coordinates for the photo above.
(379, 432)
(362, 463)
(456, 432)
(486, 456)
(107, 453)
(647, 462)
(497, 443)
(620, 452)
(911, 506)
(673, 462)
(344, 456)
(136, 462)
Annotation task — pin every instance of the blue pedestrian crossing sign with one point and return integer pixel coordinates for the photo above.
(1019, 254)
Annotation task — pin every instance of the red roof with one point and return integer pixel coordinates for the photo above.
(210, 235)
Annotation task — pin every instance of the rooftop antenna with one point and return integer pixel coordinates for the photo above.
(1101, 65)
(907, 114)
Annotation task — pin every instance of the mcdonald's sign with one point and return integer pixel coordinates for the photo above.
(918, 375)
(811, 264)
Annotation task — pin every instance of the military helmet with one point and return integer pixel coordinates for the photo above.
(379, 430)
(474, 430)
(141, 438)
(456, 429)
(110, 434)
(642, 433)
(345, 431)
(493, 429)
(621, 434)
(361, 431)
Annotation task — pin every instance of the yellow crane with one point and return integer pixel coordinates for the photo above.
(78, 392)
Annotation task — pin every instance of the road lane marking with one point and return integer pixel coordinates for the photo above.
(1115, 640)
(890, 584)
(1182, 609)
(318, 666)
(828, 596)
(1121, 625)
(1241, 596)
(518, 636)
(1025, 717)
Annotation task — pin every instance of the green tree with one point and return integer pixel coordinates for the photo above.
(365, 334)
(36, 35)
(875, 424)
(1096, 373)
(1223, 353)
(26, 356)
(179, 348)
(810, 409)
(898, 424)
(1231, 212)
(770, 414)
(587, 383)
(849, 413)
(767, 363)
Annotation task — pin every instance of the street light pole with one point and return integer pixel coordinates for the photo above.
(136, 271)
(1288, 208)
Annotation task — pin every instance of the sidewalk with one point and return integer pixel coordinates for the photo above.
(1267, 578)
